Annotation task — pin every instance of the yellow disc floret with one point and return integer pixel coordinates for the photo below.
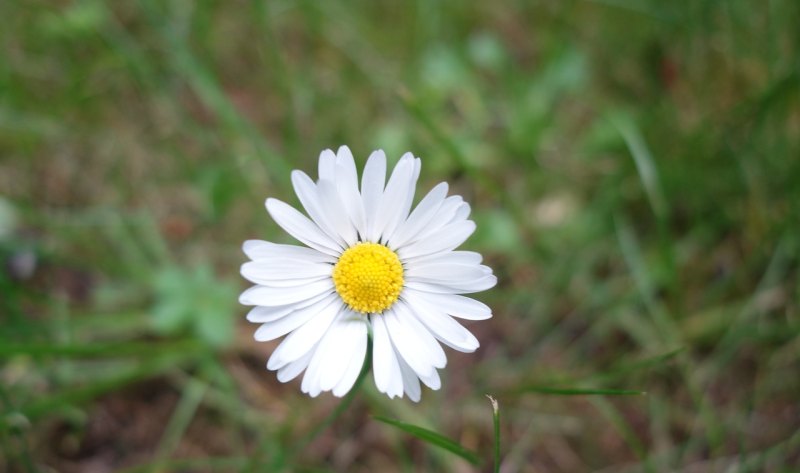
(368, 277)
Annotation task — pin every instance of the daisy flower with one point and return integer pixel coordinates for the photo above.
(370, 266)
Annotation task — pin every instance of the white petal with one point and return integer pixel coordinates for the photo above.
(354, 206)
(261, 272)
(327, 349)
(299, 342)
(278, 283)
(461, 213)
(372, 183)
(433, 381)
(420, 217)
(417, 169)
(310, 384)
(345, 339)
(339, 215)
(356, 362)
(258, 250)
(407, 344)
(445, 273)
(282, 326)
(290, 371)
(453, 257)
(394, 197)
(301, 228)
(442, 217)
(477, 285)
(260, 314)
(443, 327)
(474, 285)
(410, 380)
(385, 368)
(413, 341)
(334, 363)
(435, 354)
(346, 173)
(445, 239)
(273, 296)
(315, 205)
(402, 207)
(327, 165)
(455, 305)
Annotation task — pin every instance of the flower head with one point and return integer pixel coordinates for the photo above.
(370, 265)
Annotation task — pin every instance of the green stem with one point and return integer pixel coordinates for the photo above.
(496, 421)
(193, 393)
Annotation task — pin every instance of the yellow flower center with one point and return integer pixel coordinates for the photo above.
(368, 277)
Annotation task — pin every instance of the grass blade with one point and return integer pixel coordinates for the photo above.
(645, 164)
(433, 438)
(496, 423)
(182, 416)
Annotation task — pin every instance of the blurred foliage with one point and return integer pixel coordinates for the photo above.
(194, 300)
(632, 166)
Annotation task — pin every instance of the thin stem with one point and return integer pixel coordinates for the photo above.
(496, 419)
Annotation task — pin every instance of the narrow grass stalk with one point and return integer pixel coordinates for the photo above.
(193, 394)
(496, 422)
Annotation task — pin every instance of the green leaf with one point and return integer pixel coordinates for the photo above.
(433, 438)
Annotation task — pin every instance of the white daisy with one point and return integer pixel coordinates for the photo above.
(370, 265)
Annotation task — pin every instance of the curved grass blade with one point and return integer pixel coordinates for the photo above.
(433, 438)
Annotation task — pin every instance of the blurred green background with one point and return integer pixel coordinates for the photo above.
(634, 171)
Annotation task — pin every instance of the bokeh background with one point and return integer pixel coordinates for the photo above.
(634, 171)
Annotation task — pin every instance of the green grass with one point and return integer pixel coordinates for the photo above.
(633, 169)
